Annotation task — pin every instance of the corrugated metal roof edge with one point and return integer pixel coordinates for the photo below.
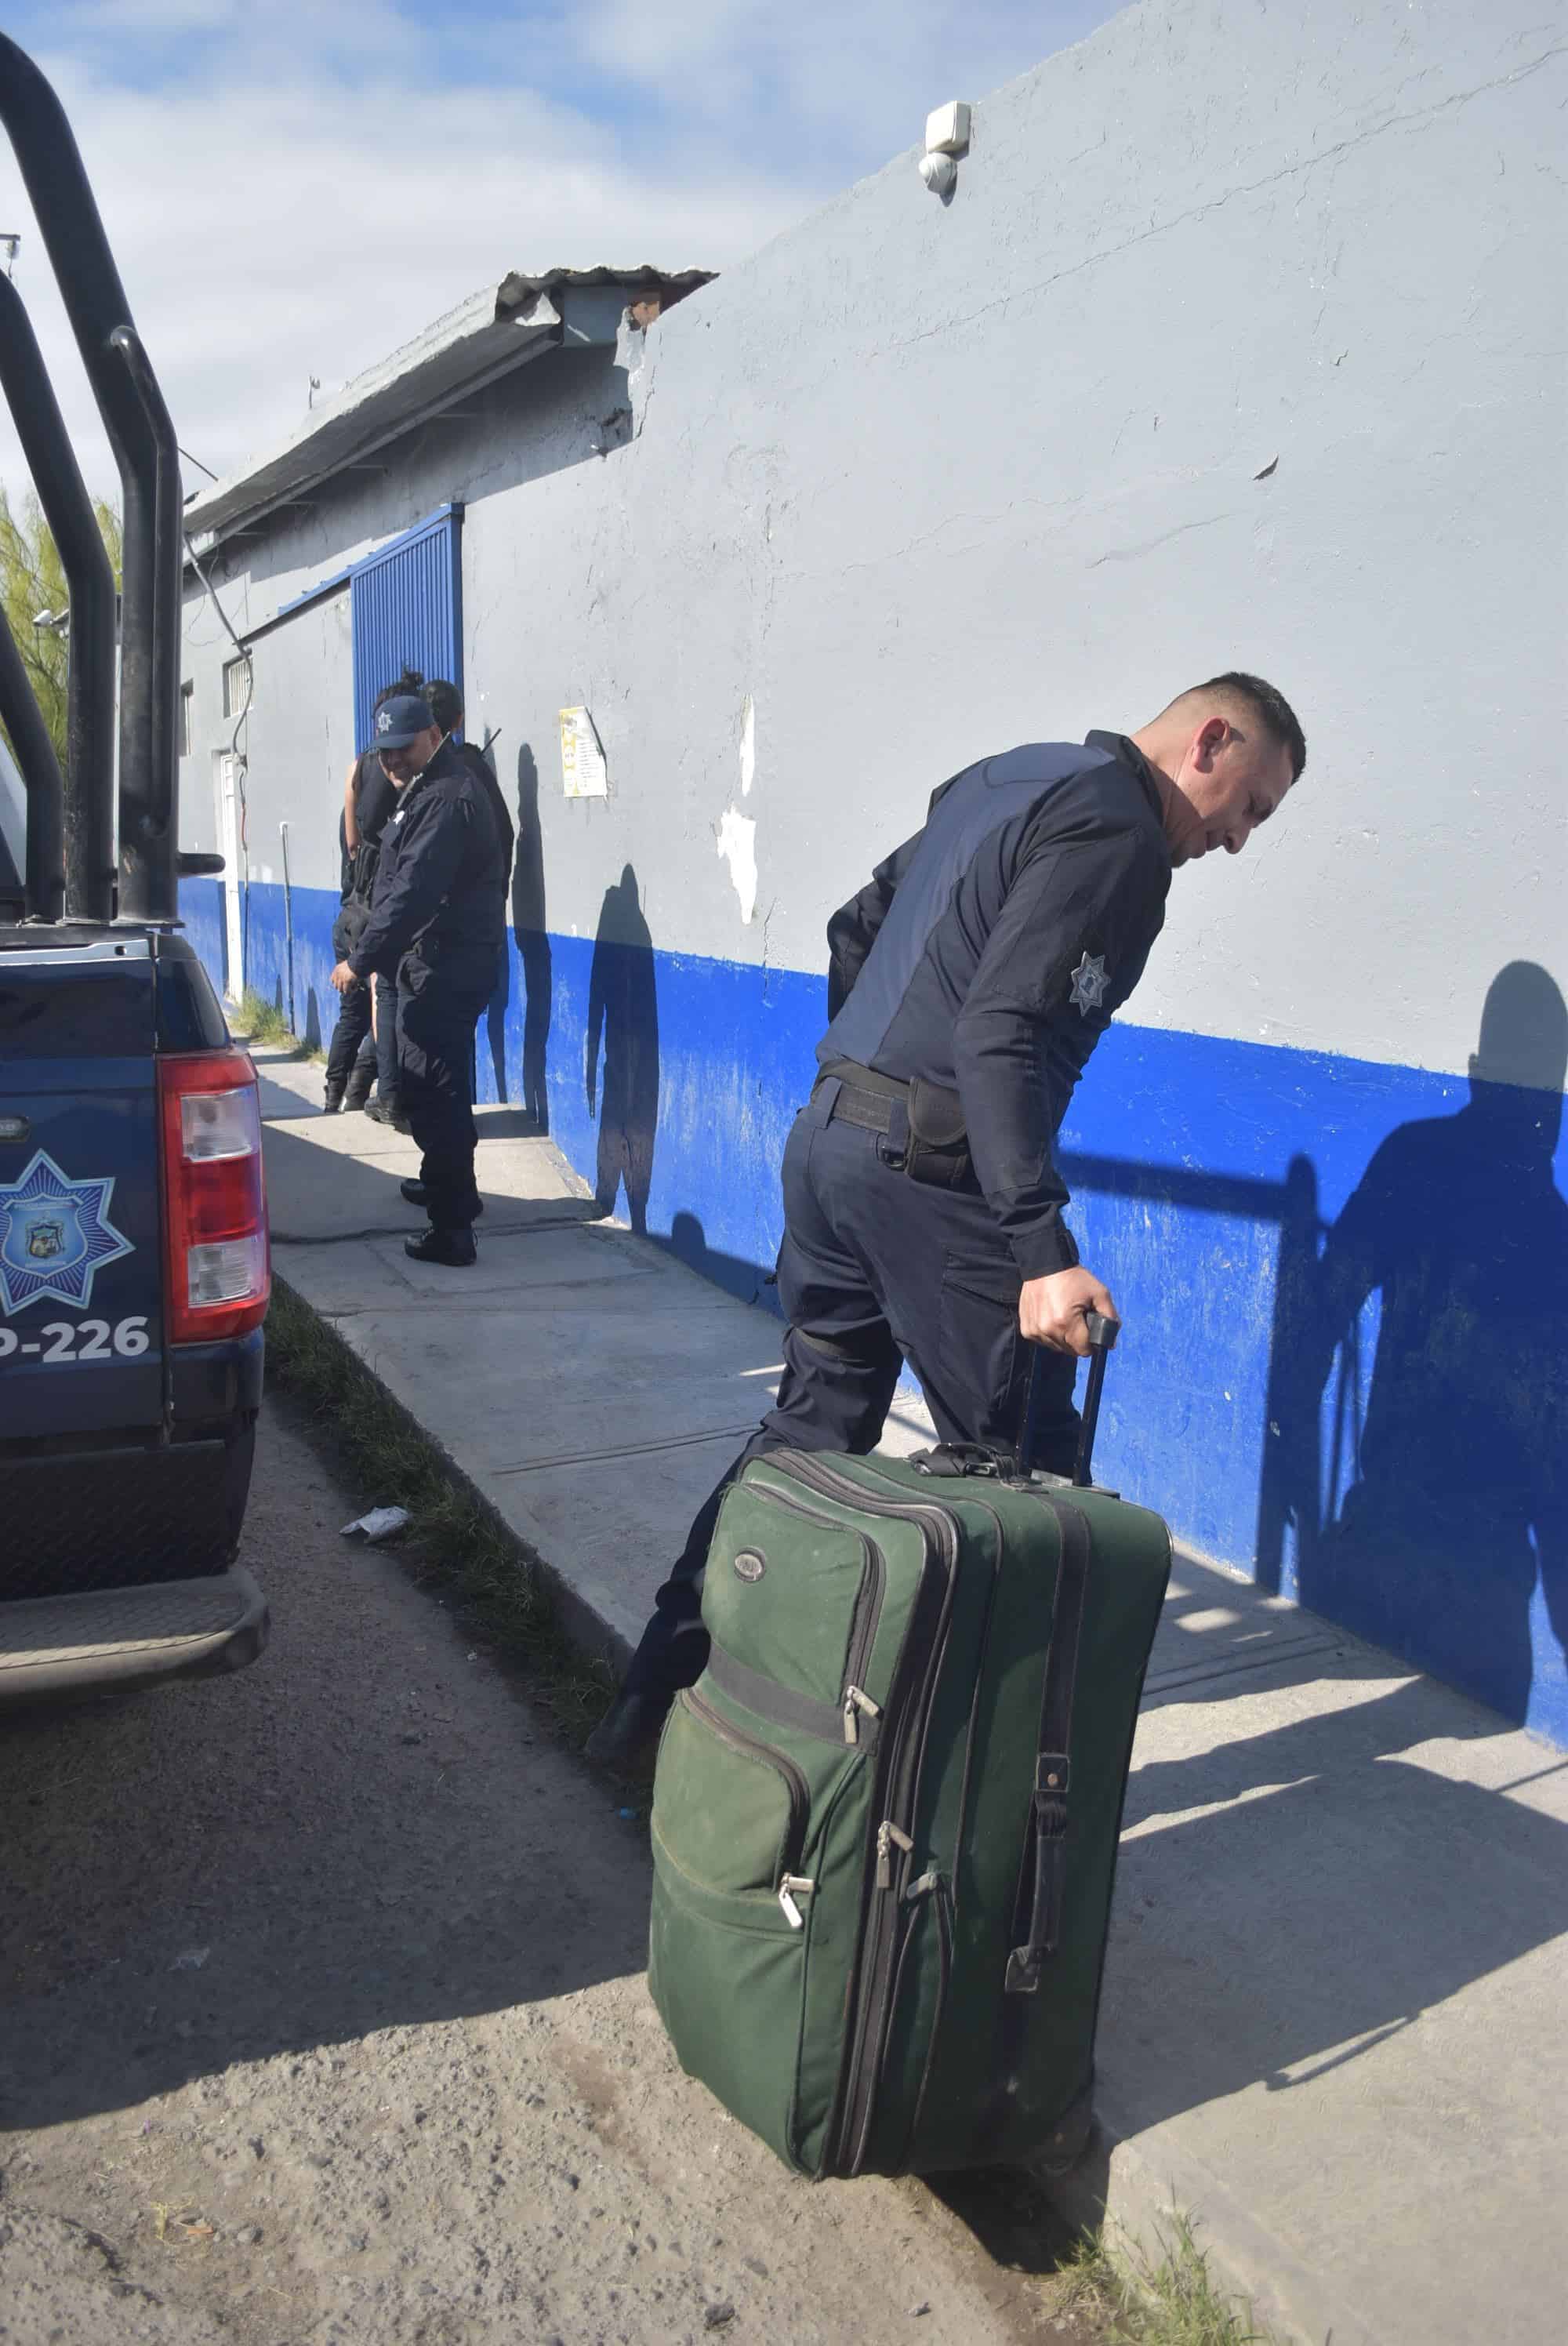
(213, 511)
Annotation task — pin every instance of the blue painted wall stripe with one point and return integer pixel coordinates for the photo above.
(1344, 1284)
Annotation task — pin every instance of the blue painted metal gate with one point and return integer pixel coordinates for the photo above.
(405, 606)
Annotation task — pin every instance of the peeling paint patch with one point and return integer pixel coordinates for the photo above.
(737, 847)
(748, 748)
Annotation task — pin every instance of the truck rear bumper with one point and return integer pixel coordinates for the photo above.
(121, 1515)
(130, 1637)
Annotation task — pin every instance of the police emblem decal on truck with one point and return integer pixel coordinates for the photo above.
(56, 1236)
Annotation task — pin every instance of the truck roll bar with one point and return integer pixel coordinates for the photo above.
(141, 436)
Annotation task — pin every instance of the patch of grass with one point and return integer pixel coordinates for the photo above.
(257, 1020)
(1164, 2301)
(456, 1544)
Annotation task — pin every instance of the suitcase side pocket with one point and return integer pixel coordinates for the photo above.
(731, 1912)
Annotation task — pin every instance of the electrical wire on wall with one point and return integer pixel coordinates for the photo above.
(235, 750)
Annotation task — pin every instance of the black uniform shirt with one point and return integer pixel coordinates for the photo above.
(478, 765)
(374, 798)
(990, 952)
(435, 884)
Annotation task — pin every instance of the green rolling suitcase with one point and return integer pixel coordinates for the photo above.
(885, 1819)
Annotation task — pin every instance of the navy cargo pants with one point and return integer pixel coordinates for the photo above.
(875, 1269)
(438, 1002)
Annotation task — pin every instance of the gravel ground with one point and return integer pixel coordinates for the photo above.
(322, 2018)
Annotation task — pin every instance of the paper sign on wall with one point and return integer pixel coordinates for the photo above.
(583, 770)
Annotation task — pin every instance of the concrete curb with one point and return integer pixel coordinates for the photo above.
(570, 1613)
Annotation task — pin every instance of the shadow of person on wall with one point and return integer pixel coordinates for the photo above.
(496, 1026)
(1453, 1463)
(687, 1241)
(623, 1008)
(530, 928)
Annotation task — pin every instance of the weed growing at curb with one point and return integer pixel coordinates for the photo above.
(1169, 2303)
(257, 1020)
(455, 1544)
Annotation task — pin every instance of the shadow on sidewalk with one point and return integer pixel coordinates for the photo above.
(364, 1831)
(1289, 1899)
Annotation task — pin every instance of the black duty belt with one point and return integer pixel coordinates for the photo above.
(865, 1097)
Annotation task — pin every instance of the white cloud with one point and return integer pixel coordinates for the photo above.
(264, 238)
(295, 191)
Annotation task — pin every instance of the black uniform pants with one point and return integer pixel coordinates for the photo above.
(352, 1028)
(380, 1050)
(437, 1005)
(875, 1269)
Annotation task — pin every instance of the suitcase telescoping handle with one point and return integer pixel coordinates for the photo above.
(1041, 1876)
(1103, 1334)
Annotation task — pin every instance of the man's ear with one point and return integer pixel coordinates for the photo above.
(1208, 740)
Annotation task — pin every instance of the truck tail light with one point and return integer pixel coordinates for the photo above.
(217, 1266)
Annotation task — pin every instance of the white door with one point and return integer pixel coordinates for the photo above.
(226, 777)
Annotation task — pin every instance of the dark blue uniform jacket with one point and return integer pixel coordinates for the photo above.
(990, 952)
(436, 882)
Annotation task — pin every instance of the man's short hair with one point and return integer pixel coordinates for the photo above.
(445, 703)
(1264, 703)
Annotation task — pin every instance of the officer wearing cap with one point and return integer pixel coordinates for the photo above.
(969, 982)
(436, 924)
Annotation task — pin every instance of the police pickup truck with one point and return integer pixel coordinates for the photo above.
(134, 1270)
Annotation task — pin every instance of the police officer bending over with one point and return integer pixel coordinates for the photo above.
(435, 925)
(969, 982)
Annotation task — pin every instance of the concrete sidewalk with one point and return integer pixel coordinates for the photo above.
(1333, 2020)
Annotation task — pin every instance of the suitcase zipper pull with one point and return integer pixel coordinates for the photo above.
(794, 1886)
(856, 1699)
(887, 1834)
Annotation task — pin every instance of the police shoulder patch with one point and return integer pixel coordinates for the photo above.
(1089, 980)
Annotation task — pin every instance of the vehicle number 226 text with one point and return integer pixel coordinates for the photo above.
(80, 1339)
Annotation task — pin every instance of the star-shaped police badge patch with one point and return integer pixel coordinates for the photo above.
(56, 1236)
(1089, 982)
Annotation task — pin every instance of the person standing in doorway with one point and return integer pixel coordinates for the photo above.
(435, 927)
(368, 799)
(364, 1041)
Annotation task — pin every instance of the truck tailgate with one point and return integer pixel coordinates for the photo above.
(81, 1267)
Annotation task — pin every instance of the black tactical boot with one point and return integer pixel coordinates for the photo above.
(628, 1734)
(455, 1249)
(333, 1100)
(358, 1088)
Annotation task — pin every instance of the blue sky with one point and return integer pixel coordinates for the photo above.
(294, 186)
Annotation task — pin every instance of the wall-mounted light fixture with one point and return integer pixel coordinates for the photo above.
(946, 139)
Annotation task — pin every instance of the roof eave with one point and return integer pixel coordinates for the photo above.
(471, 346)
(482, 338)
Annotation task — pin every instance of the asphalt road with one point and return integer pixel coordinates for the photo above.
(322, 2018)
